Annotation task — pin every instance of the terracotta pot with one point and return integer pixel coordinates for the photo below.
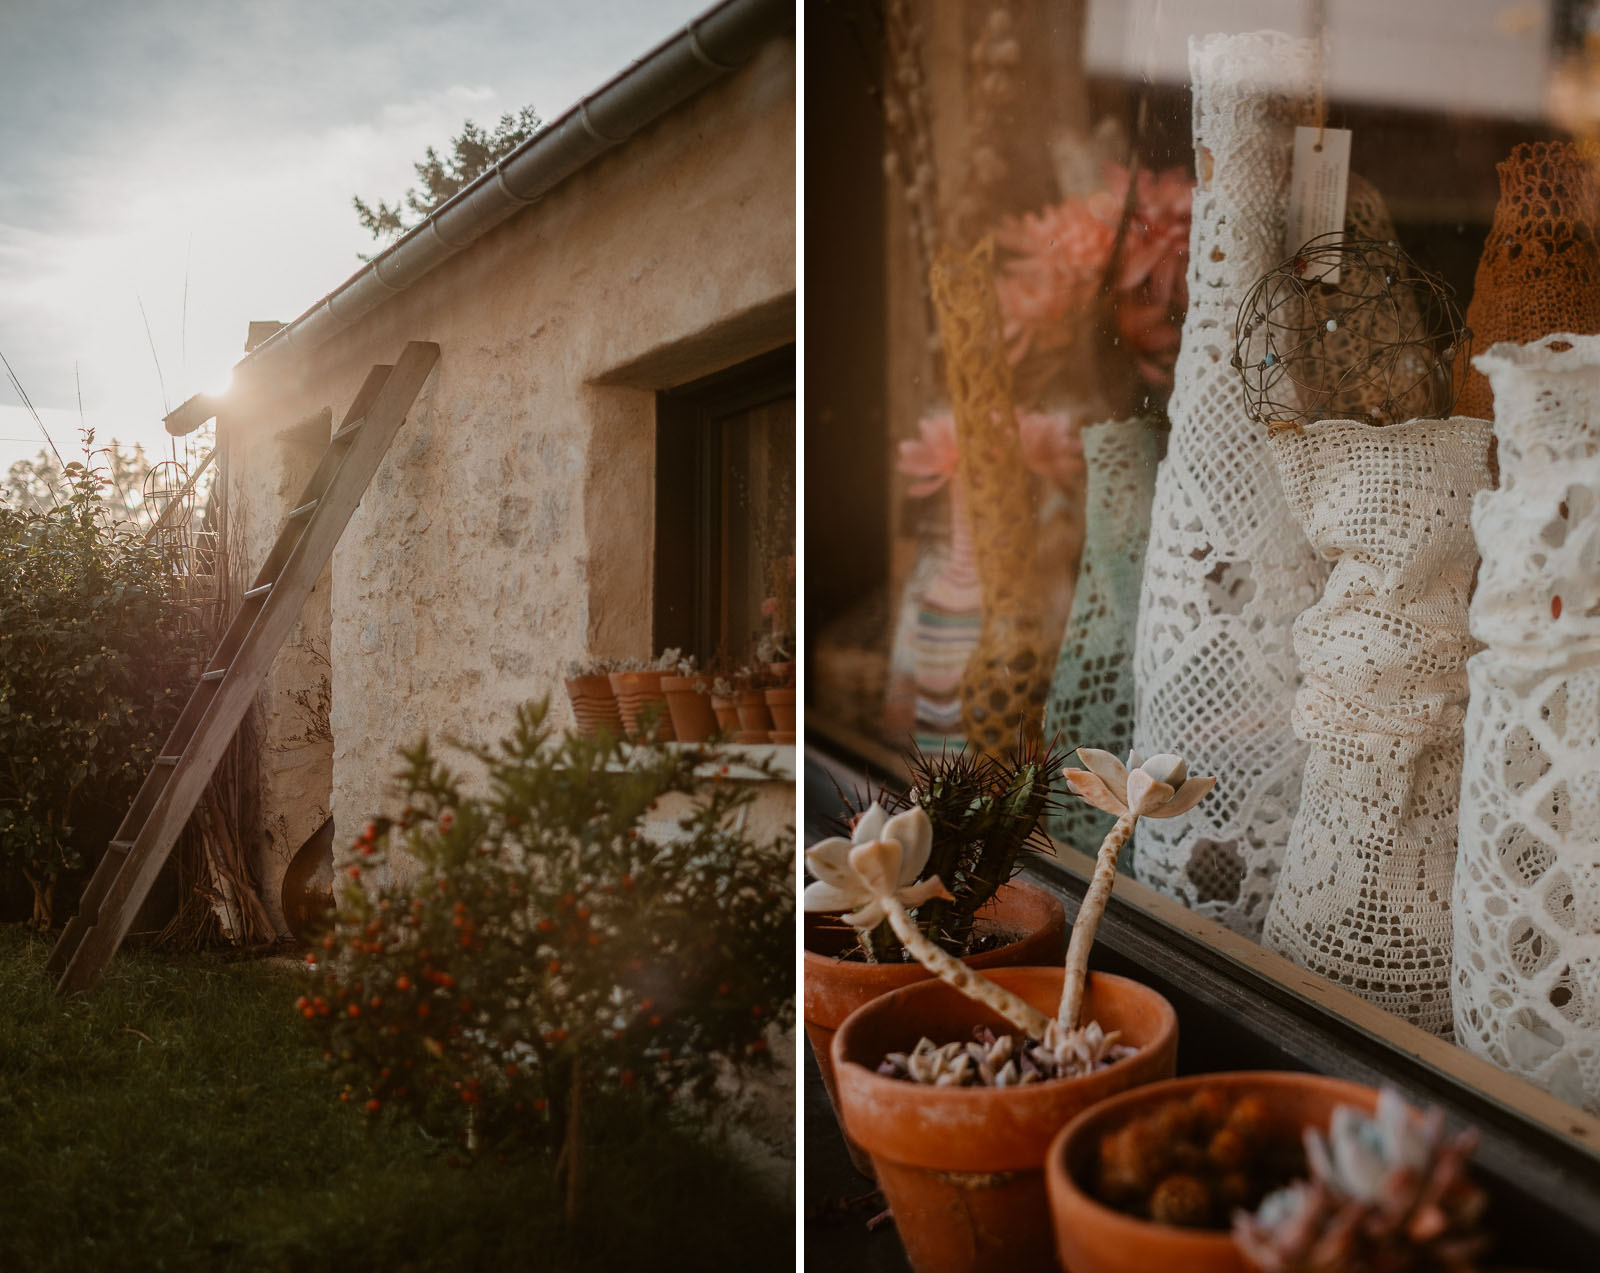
(689, 704)
(781, 704)
(783, 672)
(1029, 916)
(785, 736)
(754, 718)
(962, 1168)
(637, 690)
(726, 710)
(752, 736)
(1093, 1238)
(594, 704)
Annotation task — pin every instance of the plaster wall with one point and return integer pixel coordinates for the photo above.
(510, 527)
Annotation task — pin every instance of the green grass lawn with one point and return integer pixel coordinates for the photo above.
(176, 1118)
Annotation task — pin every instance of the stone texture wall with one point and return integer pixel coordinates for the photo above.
(510, 527)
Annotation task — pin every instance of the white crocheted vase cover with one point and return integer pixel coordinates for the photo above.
(1527, 884)
(1091, 697)
(1227, 569)
(1363, 896)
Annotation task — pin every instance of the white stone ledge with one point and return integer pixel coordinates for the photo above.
(740, 759)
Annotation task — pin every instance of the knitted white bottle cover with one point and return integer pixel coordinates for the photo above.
(1227, 569)
(1527, 882)
(1363, 896)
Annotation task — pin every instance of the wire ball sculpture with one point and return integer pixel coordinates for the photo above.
(1385, 342)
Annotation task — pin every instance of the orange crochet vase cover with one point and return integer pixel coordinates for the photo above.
(1540, 269)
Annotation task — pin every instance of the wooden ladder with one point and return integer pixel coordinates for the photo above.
(235, 672)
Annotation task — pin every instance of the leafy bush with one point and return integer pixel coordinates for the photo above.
(94, 667)
(554, 944)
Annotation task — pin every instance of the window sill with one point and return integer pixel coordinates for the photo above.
(740, 759)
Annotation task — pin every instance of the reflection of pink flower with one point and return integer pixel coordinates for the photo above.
(769, 607)
(932, 458)
(1052, 448)
(1152, 282)
(1059, 254)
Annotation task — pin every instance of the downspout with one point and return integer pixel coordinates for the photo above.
(717, 42)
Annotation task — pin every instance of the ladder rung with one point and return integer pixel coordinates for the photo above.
(262, 591)
(349, 431)
(215, 674)
(166, 760)
(120, 846)
(304, 510)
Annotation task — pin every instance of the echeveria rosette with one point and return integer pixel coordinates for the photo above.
(873, 877)
(1156, 788)
(1387, 1191)
(882, 857)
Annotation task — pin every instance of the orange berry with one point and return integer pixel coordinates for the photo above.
(555, 966)
(374, 1105)
(403, 982)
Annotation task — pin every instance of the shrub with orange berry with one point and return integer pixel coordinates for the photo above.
(499, 960)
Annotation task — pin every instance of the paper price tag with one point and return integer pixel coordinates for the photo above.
(1319, 183)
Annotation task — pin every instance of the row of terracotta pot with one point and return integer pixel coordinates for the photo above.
(987, 1178)
(688, 711)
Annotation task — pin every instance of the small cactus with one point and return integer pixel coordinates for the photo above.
(1387, 1194)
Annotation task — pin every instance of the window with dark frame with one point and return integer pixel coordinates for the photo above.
(725, 512)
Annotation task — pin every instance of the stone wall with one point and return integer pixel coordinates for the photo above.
(510, 527)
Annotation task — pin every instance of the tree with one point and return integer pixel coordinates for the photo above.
(471, 155)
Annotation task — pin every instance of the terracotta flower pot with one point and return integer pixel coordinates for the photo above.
(1029, 916)
(962, 1168)
(594, 704)
(726, 710)
(754, 718)
(689, 704)
(1094, 1238)
(637, 690)
(781, 704)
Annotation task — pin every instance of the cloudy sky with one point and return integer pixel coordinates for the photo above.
(197, 159)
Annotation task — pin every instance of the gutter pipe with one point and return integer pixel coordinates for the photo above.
(716, 43)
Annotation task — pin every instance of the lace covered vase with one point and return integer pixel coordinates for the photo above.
(1363, 896)
(1227, 568)
(1091, 697)
(1540, 268)
(1004, 683)
(1527, 884)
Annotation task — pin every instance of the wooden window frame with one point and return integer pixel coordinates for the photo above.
(690, 550)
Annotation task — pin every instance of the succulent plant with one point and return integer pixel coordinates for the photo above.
(1387, 1194)
(991, 1060)
(874, 877)
(1156, 788)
